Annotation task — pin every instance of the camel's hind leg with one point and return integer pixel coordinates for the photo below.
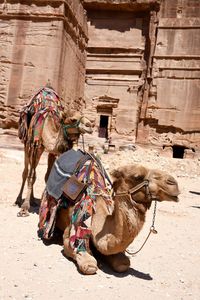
(118, 262)
(86, 263)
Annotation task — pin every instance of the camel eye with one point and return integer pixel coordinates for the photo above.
(156, 177)
(171, 181)
(139, 177)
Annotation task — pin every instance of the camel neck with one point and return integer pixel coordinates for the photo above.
(131, 216)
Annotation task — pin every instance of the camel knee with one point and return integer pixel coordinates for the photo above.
(31, 181)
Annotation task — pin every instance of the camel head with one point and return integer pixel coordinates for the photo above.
(159, 185)
(74, 124)
(163, 186)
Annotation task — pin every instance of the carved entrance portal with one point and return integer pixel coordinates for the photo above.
(103, 126)
(106, 113)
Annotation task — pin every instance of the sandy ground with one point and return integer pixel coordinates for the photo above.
(168, 267)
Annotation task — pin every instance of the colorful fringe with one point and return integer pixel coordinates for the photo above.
(43, 104)
(82, 215)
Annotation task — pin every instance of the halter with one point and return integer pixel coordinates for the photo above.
(134, 190)
(71, 128)
(134, 203)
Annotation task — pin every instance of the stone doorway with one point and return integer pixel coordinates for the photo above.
(178, 151)
(103, 126)
(105, 111)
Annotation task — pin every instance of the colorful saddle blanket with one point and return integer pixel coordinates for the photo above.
(45, 103)
(80, 232)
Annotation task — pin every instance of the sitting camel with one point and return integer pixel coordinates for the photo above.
(45, 126)
(115, 218)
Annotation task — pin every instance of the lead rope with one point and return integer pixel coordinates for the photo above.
(152, 230)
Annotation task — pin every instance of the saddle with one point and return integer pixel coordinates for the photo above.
(73, 188)
(71, 191)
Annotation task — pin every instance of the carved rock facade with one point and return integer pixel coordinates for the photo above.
(142, 72)
(41, 41)
(144, 63)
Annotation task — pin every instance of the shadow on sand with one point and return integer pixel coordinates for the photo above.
(193, 192)
(105, 268)
(35, 205)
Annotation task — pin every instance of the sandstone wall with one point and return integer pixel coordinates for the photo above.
(40, 41)
(172, 115)
(143, 57)
(142, 72)
(116, 65)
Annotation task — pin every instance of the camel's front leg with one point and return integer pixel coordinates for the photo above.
(33, 158)
(24, 177)
(24, 212)
(86, 263)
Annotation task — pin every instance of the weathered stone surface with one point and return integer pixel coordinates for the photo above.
(115, 50)
(174, 104)
(128, 5)
(147, 56)
(142, 72)
(41, 41)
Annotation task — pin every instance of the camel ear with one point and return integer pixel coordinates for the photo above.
(139, 172)
(116, 174)
(70, 116)
(117, 177)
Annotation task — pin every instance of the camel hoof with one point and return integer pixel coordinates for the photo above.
(23, 213)
(87, 264)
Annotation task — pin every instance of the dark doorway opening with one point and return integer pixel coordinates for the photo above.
(103, 126)
(178, 151)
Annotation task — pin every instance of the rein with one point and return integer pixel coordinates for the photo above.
(133, 202)
(151, 230)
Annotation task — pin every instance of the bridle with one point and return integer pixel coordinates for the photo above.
(130, 193)
(135, 189)
(71, 128)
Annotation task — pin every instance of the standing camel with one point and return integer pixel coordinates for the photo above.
(110, 219)
(45, 126)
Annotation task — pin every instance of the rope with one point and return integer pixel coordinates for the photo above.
(152, 230)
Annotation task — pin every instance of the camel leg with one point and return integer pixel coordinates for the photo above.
(24, 177)
(51, 159)
(26, 204)
(118, 262)
(33, 161)
(86, 263)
